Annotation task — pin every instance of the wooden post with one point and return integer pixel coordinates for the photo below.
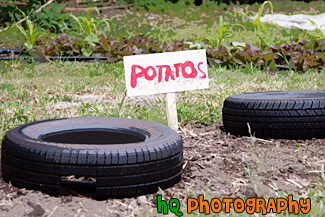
(171, 111)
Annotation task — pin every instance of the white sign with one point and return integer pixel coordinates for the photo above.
(166, 72)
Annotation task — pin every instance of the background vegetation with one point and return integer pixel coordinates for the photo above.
(231, 34)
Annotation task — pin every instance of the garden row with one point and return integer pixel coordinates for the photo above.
(299, 55)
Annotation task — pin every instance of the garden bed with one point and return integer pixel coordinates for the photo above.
(215, 164)
(299, 55)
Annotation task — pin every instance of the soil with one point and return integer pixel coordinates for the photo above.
(215, 164)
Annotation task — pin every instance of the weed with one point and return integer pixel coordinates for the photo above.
(318, 33)
(264, 38)
(88, 27)
(31, 34)
(285, 59)
(224, 31)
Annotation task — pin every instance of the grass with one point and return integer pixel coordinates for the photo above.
(168, 22)
(64, 89)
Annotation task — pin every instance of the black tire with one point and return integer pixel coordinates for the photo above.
(115, 157)
(276, 114)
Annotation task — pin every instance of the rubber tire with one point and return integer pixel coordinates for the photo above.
(120, 170)
(276, 114)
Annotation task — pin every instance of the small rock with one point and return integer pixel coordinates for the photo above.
(220, 142)
(143, 199)
(37, 210)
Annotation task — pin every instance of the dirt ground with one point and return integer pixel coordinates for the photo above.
(215, 164)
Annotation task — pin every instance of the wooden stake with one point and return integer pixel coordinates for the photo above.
(171, 111)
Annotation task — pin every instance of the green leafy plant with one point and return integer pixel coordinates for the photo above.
(88, 27)
(260, 29)
(225, 31)
(195, 45)
(8, 8)
(285, 59)
(53, 18)
(32, 33)
(318, 33)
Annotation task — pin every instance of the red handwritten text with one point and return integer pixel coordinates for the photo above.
(149, 73)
